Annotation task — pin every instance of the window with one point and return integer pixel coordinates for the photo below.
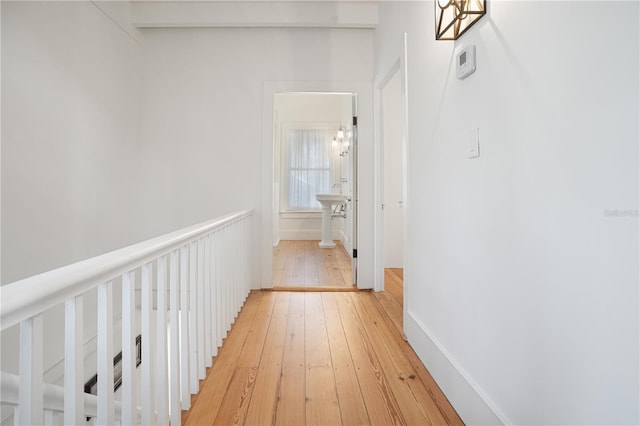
(309, 167)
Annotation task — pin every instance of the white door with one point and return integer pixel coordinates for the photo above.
(393, 174)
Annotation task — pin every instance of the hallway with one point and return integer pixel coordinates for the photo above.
(318, 358)
(126, 121)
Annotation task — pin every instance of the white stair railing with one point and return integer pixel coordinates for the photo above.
(180, 292)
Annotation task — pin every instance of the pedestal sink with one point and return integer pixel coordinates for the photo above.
(328, 200)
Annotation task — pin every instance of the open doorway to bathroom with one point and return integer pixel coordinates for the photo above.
(315, 137)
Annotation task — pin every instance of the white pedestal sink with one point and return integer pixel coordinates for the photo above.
(328, 200)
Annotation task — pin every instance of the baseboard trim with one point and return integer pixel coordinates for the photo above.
(466, 396)
(311, 289)
(306, 235)
(343, 239)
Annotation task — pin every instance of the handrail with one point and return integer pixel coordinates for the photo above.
(190, 285)
(28, 297)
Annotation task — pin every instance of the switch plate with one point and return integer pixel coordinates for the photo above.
(474, 143)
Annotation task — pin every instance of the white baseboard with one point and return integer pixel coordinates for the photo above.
(305, 234)
(468, 399)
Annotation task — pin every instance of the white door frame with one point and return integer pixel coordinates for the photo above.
(365, 172)
(399, 66)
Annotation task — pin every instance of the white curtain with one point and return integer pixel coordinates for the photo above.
(310, 167)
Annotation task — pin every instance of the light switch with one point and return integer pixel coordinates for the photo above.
(474, 143)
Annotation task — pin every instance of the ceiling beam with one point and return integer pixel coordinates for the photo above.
(254, 14)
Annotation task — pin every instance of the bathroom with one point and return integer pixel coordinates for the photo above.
(313, 153)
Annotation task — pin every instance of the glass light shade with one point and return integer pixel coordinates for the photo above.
(340, 134)
(455, 17)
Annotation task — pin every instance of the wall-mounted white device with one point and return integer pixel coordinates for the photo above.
(465, 62)
(474, 143)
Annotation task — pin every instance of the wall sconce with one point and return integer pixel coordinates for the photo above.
(455, 17)
(342, 141)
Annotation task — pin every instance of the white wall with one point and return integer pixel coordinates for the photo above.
(523, 290)
(71, 97)
(203, 112)
(70, 137)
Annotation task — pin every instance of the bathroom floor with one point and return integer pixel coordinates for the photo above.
(304, 264)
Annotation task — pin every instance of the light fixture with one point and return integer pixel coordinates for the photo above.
(455, 17)
(343, 142)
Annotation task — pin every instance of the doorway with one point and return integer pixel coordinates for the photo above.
(393, 175)
(364, 192)
(391, 165)
(314, 146)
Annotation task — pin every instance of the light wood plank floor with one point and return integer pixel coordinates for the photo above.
(391, 298)
(305, 264)
(323, 358)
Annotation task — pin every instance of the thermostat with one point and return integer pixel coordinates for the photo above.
(465, 62)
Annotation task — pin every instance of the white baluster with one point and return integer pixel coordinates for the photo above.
(148, 353)
(161, 345)
(250, 254)
(212, 299)
(243, 262)
(73, 362)
(245, 256)
(222, 313)
(129, 404)
(237, 287)
(240, 263)
(232, 282)
(232, 265)
(218, 306)
(184, 331)
(228, 300)
(214, 294)
(193, 323)
(105, 354)
(232, 276)
(174, 369)
(30, 392)
(207, 302)
(201, 328)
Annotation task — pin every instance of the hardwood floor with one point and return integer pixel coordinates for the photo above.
(321, 358)
(304, 264)
(391, 298)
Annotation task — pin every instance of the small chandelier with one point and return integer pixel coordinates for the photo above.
(341, 140)
(455, 17)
